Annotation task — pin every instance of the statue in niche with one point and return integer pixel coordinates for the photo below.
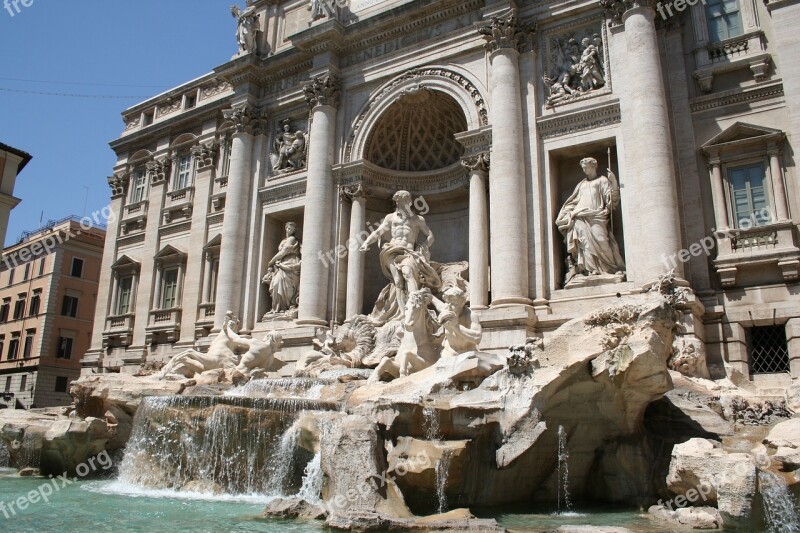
(404, 260)
(247, 26)
(585, 221)
(289, 149)
(323, 9)
(578, 68)
(283, 275)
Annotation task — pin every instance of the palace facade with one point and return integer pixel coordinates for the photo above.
(483, 110)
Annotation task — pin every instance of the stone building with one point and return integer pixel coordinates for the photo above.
(12, 161)
(48, 291)
(484, 110)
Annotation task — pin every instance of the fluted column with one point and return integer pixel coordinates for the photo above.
(478, 231)
(776, 171)
(650, 188)
(718, 195)
(322, 95)
(355, 267)
(507, 191)
(234, 226)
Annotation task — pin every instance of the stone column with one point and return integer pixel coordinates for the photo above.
(718, 195)
(649, 172)
(507, 190)
(776, 170)
(234, 226)
(793, 342)
(104, 303)
(478, 231)
(355, 259)
(322, 94)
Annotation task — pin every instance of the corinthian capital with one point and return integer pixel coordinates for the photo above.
(323, 90)
(355, 191)
(246, 118)
(505, 32)
(614, 9)
(118, 184)
(204, 153)
(477, 162)
(159, 170)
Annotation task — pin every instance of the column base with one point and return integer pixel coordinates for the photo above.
(311, 322)
(505, 302)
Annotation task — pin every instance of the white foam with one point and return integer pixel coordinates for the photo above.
(120, 488)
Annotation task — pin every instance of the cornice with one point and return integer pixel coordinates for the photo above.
(746, 96)
(385, 182)
(579, 120)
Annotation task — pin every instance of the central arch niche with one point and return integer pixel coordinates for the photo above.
(417, 133)
(412, 146)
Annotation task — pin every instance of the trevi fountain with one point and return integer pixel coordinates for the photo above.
(402, 416)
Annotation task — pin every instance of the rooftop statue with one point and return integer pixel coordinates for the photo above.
(247, 29)
(585, 222)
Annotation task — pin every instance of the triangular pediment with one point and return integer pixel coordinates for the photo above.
(124, 262)
(742, 131)
(170, 251)
(215, 242)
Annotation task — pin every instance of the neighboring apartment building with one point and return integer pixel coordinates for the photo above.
(48, 290)
(12, 161)
(485, 108)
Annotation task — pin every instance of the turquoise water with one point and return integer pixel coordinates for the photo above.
(109, 506)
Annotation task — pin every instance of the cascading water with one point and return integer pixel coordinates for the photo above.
(563, 472)
(442, 472)
(289, 388)
(217, 444)
(780, 507)
(311, 489)
(5, 457)
(433, 433)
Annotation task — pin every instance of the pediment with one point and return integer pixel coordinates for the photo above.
(742, 131)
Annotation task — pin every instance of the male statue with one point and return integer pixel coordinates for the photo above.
(403, 260)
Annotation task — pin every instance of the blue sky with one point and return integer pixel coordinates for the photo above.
(152, 44)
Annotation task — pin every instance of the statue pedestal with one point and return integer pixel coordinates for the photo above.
(594, 281)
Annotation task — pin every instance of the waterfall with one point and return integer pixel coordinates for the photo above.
(311, 489)
(431, 423)
(5, 457)
(214, 444)
(563, 471)
(442, 472)
(304, 388)
(780, 507)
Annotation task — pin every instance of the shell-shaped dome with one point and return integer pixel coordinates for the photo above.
(416, 133)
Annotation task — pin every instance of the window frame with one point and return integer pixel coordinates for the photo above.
(138, 186)
(69, 342)
(714, 37)
(64, 310)
(733, 165)
(77, 260)
(183, 176)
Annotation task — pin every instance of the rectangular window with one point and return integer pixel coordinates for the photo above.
(183, 178)
(76, 271)
(8, 384)
(4, 310)
(23, 383)
(138, 186)
(724, 19)
(19, 309)
(124, 293)
(64, 348)
(212, 286)
(191, 101)
(62, 383)
(768, 350)
(36, 300)
(27, 271)
(41, 266)
(10, 277)
(27, 350)
(169, 291)
(2, 345)
(749, 196)
(69, 306)
(13, 347)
